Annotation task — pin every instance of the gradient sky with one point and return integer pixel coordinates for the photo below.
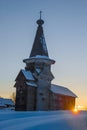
(65, 30)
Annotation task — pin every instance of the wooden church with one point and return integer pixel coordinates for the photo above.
(34, 90)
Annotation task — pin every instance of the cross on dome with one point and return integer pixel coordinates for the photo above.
(40, 21)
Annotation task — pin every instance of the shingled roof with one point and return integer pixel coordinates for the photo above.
(39, 45)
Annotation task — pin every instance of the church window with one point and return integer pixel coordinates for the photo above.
(41, 93)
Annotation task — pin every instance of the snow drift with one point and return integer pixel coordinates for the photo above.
(43, 120)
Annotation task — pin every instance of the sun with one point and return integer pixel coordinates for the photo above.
(75, 110)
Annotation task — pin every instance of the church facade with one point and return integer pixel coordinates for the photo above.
(34, 90)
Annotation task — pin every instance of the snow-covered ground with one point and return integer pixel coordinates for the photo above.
(43, 120)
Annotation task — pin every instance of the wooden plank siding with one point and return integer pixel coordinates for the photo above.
(61, 102)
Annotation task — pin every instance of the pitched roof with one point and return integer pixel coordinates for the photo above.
(8, 101)
(62, 90)
(32, 84)
(5, 101)
(39, 45)
(28, 75)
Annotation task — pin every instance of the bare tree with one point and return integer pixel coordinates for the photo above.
(13, 96)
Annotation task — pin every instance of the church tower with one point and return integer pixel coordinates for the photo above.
(34, 91)
(39, 66)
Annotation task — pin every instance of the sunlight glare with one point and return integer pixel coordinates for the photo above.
(75, 110)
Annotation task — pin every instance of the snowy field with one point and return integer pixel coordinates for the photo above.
(42, 120)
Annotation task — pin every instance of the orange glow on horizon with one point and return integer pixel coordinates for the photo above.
(75, 111)
(80, 107)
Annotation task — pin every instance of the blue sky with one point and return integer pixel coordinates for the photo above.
(65, 30)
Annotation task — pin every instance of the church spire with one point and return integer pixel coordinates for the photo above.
(39, 45)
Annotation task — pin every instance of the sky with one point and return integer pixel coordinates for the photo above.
(65, 31)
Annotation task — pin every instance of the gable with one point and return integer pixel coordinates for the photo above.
(27, 75)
